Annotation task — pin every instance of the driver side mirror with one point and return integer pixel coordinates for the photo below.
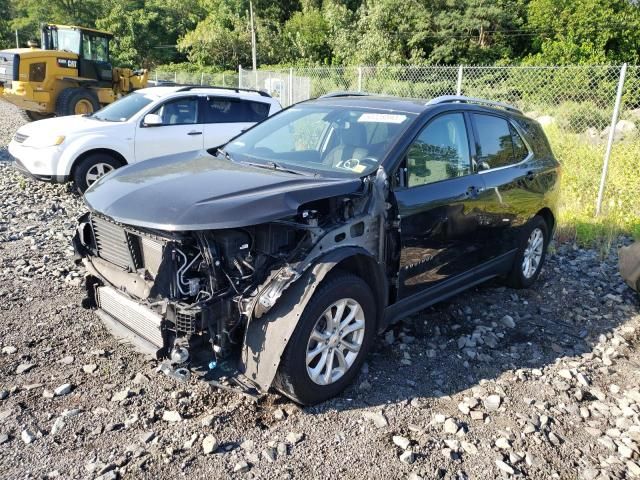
(152, 120)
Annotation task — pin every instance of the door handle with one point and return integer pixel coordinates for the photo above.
(193, 132)
(530, 175)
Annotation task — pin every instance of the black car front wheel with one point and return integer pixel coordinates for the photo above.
(330, 342)
(532, 251)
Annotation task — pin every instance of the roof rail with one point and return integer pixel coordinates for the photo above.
(479, 101)
(345, 93)
(186, 87)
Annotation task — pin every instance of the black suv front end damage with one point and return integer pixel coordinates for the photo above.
(228, 296)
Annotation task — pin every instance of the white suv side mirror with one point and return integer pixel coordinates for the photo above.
(152, 120)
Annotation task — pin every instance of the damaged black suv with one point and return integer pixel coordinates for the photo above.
(278, 258)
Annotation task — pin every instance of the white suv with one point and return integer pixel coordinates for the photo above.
(151, 122)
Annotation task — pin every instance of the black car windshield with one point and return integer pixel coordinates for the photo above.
(325, 139)
(123, 109)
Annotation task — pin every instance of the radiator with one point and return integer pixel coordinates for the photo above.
(132, 315)
(114, 243)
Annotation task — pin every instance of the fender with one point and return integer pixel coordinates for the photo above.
(267, 337)
(84, 144)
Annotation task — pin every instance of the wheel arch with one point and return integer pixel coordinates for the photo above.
(267, 337)
(549, 218)
(108, 151)
(362, 264)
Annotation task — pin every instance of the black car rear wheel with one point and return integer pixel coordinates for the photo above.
(330, 342)
(532, 251)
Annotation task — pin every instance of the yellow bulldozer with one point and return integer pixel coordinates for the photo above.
(69, 74)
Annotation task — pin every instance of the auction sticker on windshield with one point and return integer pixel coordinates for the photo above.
(382, 118)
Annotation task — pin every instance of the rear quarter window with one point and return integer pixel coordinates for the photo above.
(534, 135)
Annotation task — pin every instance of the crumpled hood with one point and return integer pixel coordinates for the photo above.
(66, 125)
(196, 191)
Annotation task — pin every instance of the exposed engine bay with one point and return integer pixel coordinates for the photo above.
(170, 293)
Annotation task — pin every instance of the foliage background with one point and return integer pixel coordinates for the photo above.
(216, 33)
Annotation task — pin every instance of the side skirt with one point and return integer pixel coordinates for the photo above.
(419, 301)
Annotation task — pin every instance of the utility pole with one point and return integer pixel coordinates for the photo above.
(253, 44)
(17, 40)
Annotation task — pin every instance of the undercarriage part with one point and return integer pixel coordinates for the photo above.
(181, 374)
(238, 388)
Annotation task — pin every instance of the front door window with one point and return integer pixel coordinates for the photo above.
(440, 152)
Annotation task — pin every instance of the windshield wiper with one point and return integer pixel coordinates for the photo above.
(224, 153)
(271, 165)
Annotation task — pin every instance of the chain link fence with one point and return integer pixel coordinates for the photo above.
(574, 104)
(224, 79)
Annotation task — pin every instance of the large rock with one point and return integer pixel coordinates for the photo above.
(546, 120)
(624, 129)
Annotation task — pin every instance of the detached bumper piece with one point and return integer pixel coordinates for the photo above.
(629, 263)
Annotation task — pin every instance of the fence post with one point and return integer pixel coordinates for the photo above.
(291, 86)
(459, 84)
(612, 131)
(359, 79)
(239, 76)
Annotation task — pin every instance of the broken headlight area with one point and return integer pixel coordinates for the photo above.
(178, 295)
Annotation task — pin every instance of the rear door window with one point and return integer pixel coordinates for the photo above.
(234, 110)
(520, 150)
(498, 144)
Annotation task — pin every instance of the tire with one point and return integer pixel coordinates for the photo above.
(293, 378)
(94, 163)
(76, 101)
(521, 276)
(32, 116)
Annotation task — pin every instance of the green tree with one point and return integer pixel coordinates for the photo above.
(477, 31)
(588, 31)
(223, 38)
(391, 32)
(6, 35)
(306, 38)
(29, 14)
(147, 32)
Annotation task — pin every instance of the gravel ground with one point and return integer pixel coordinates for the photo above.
(540, 383)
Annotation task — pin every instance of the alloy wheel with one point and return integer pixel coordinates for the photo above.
(96, 171)
(533, 253)
(335, 341)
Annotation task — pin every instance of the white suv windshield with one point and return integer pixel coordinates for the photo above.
(326, 139)
(123, 109)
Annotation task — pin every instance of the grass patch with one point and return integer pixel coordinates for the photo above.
(581, 169)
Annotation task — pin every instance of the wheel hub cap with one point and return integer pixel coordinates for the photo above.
(533, 253)
(335, 341)
(97, 171)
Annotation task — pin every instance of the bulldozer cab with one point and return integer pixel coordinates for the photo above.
(91, 46)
